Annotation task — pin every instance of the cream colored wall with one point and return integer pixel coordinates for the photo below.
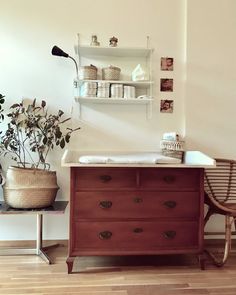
(211, 79)
(29, 29)
(211, 72)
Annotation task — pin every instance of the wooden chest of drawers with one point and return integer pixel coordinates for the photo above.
(127, 211)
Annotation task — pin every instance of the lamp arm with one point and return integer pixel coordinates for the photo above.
(77, 71)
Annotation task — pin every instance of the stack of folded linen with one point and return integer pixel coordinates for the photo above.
(129, 92)
(172, 146)
(117, 90)
(88, 89)
(129, 158)
(103, 89)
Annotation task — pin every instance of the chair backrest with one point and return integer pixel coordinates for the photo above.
(220, 182)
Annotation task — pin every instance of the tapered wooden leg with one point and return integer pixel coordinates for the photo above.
(70, 262)
(201, 260)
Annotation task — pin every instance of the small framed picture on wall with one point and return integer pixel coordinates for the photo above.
(167, 63)
(166, 85)
(166, 106)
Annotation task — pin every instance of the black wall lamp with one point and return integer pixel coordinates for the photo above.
(59, 52)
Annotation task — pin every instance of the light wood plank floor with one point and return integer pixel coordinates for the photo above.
(159, 275)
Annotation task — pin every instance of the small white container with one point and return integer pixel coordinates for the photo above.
(88, 89)
(103, 84)
(129, 92)
(103, 92)
(89, 85)
(116, 90)
(103, 89)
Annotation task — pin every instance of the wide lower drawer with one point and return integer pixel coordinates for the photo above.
(135, 235)
(170, 178)
(136, 204)
(104, 178)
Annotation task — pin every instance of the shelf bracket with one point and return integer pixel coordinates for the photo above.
(149, 110)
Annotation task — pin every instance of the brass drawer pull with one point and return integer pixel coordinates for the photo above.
(169, 178)
(138, 200)
(170, 204)
(105, 235)
(138, 230)
(169, 234)
(105, 204)
(105, 178)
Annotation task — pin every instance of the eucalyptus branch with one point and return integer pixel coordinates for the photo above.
(31, 158)
(19, 149)
(20, 145)
(35, 141)
(7, 151)
(23, 145)
(46, 154)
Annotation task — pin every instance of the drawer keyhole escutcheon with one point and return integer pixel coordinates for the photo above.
(138, 230)
(105, 178)
(170, 204)
(169, 178)
(105, 235)
(105, 204)
(138, 200)
(169, 234)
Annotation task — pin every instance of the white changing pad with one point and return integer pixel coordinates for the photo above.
(132, 158)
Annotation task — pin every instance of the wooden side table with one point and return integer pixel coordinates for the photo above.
(57, 207)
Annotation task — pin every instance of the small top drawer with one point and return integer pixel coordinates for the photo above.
(104, 178)
(170, 178)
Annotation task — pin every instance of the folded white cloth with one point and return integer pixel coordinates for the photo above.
(134, 158)
(89, 92)
(117, 90)
(131, 159)
(88, 95)
(89, 85)
(129, 91)
(103, 92)
(100, 90)
(103, 84)
(90, 159)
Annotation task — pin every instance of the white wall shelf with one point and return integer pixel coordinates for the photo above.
(127, 58)
(111, 100)
(91, 51)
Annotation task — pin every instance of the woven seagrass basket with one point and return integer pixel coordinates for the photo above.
(111, 73)
(88, 73)
(27, 188)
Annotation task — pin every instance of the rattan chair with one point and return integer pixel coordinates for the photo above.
(220, 196)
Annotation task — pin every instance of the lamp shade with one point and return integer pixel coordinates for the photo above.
(59, 52)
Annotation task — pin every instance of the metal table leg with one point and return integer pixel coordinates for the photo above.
(39, 250)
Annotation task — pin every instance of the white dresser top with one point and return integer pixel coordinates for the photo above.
(77, 158)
